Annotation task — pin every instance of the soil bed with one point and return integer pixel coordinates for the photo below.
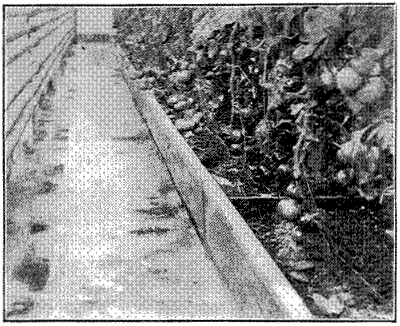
(349, 256)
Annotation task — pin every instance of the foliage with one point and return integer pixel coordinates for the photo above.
(271, 83)
(288, 100)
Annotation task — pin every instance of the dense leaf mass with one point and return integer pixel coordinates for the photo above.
(287, 100)
(298, 83)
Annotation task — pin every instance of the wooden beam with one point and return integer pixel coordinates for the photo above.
(28, 13)
(61, 44)
(34, 28)
(12, 142)
(35, 43)
(31, 79)
(259, 286)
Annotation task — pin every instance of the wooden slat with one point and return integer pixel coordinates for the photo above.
(29, 80)
(33, 29)
(12, 138)
(36, 42)
(43, 17)
(15, 25)
(12, 143)
(40, 52)
(243, 264)
(11, 12)
(15, 75)
(36, 92)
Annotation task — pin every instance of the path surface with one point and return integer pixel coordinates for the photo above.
(119, 243)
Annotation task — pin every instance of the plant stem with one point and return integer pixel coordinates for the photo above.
(233, 73)
(264, 80)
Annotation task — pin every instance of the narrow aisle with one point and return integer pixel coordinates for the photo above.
(119, 242)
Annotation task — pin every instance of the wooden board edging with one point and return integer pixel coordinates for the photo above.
(256, 282)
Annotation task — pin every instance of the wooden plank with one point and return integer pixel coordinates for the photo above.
(39, 53)
(13, 116)
(13, 48)
(30, 43)
(25, 21)
(14, 95)
(16, 75)
(15, 11)
(45, 16)
(16, 162)
(14, 25)
(12, 141)
(18, 11)
(12, 119)
(32, 29)
(245, 266)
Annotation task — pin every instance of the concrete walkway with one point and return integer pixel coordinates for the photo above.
(119, 242)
